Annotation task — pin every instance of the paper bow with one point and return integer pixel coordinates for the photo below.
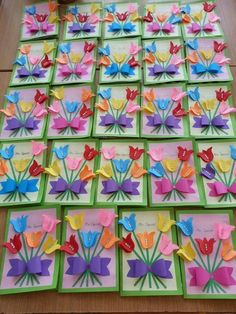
(123, 121)
(156, 27)
(219, 188)
(59, 186)
(129, 187)
(200, 68)
(157, 69)
(222, 275)
(170, 121)
(204, 121)
(196, 28)
(98, 265)
(139, 268)
(34, 266)
(116, 27)
(43, 27)
(164, 186)
(78, 70)
(23, 187)
(36, 72)
(114, 69)
(76, 123)
(77, 28)
(14, 124)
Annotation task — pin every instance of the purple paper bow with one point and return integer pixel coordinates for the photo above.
(123, 121)
(204, 121)
(157, 70)
(14, 124)
(98, 265)
(59, 186)
(34, 266)
(129, 187)
(37, 72)
(43, 27)
(76, 28)
(170, 121)
(159, 268)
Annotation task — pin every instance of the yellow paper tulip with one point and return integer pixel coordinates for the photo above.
(207, 54)
(149, 108)
(25, 106)
(105, 171)
(47, 48)
(119, 57)
(197, 16)
(135, 17)
(51, 245)
(21, 165)
(76, 221)
(53, 18)
(164, 223)
(209, 104)
(58, 93)
(186, 252)
(54, 170)
(151, 8)
(162, 56)
(75, 57)
(95, 8)
(117, 104)
(224, 165)
(171, 164)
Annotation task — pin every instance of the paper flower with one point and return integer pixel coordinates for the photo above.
(73, 163)
(106, 218)
(89, 153)
(49, 223)
(137, 171)
(19, 224)
(224, 165)
(183, 153)
(54, 169)
(33, 239)
(51, 245)
(61, 152)
(108, 239)
(166, 247)
(135, 153)
(76, 221)
(105, 171)
(86, 174)
(206, 155)
(21, 164)
(89, 238)
(227, 253)
(187, 252)
(156, 153)
(3, 167)
(129, 223)
(71, 247)
(121, 165)
(186, 226)
(8, 152)
(164, 224)
(171, 164)
(146, 239)
(206, 246)
(108, 152)
(14, 245)
(223, 231)
(127, 244)
(38, 148)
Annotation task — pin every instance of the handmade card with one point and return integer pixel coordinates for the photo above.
(24, 113)
(71, 112)
(40, 20)
(30, 261)
(34, 63)
(164, 111)
(71, 172)
(75, 62)
(121, 20)
(172, 173)
(162, 20)
(120, 60)
(117, 111)
(89, 260)
(199, 19)
(211, 111)
(149, 265)
(121, 174)
(21, 172)
(164, 61)
(82, 21)
(217, 170)
(207, 61)
(207, 253)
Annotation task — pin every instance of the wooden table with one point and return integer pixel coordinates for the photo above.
(53, 302)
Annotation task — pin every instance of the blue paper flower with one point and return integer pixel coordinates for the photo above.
(192, 44)
(186, 9)
(194, 94)
(13, 98)
(162, 103)
(105, 93)
(71, 106)
(173, 19)
(30, 10)
(74, 10)
(157, 170)
(20, 61)
(19, 224)
(111, 8)
(104, 51)
(186, 226)
(121, 165)
(65, 48)
(89, 238)
(8, 152)
(233, 152)
(151, 48)
(129, 223)
(61, 152)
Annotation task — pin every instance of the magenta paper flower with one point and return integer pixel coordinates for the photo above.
(106, 218)
(38, 148)
(156, 153)
(108, 152)
(223, 231)
(73, 163)
(177, 95)
(166, 247)
(49, 223)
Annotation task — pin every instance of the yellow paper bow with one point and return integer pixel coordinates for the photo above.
(187, 252)
(171, 164)
(162, 56)
(164, 223)
(209, 104)
(207, 54)
(51, 245)
(25, 106)
(119, 57)
(54, 170)
(95, 8)
(58, 93)
(151, 7)
(105, 171)
(149, 108)
(117, 104)
(224, 165)
(47, 48)
(75, 57)
(21, 165)
(197, 16)
(76, 221)
(53, 18)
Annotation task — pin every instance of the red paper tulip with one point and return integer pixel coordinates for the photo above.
(131, 94)
(206, 155)
(85, 112)
(148, 18)
(174, 49)
(71, 247)
(135, 153)
(133, 63)
(82, 18)
(90, 153)
(40, 97)
(14, 245)
(127, 244)
(222, 95)
(178, 111)
(41, 17)
(184, 154)
(219, 47)
(205, 246)
(122, 16)
(35, 169)
(46, 62)
(208, 7)
(88, 47)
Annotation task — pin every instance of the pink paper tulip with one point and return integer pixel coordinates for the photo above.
(213, 18)
(223, 231)
(177, 95)
(166, 247)
(38, 148)
(221, 59)
(49, 223)
(28, 20)
(93, 19)
(133, 49)
(176, 60)
(106, 218)
(88, 59)
(156, 153)
(54, 108)
(131, 8)
(132, 108)
(73, 163)
(175, 9)
(108, 152)
(226, 109)
(39, 111)
(33, 60)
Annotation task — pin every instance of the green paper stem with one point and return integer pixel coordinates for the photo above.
(67, 176)
(208, 264)
(81, 244)
(161, 282)
(78, 172)
(216, 255)
(98, 241)
(82, 281)
(19, 279)
(91, 278)
(155, 281)
(231, 173)
(141, 250)
(178, 172)
(219, 264)
(198, 253)
(144, 278)
(25, 248)
(155, 247)
(96, 279)
(127, 171)
(12, 170)
(23, 280)
(42, 241)
(77, 280)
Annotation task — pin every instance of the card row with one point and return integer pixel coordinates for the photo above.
(141, 259)
(115, 20)
(121, 172)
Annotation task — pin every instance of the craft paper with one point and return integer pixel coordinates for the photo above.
(120, 60)
(149, 265)
(211, 111)
(24, 113)
(71, 112)
(162, 20)
(163, 61)
(21, 172)
(121, 173)
(164, 111)
(82, 21)
(121, 20)
(117, 111)
(207, 60)
(40, 20)
(71, 172)
(172, 175)
(89, 260)
(207, 253)
(217, 171)
(75, 62)
(34, 63)
(200, 20)
(30, 260)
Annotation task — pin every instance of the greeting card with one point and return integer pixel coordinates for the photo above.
(89, 260)
(217, 170)
(207, 253)
(70, 112)
(211, 111)
(75, 62)
(82, 21)
(149, 265)
(164, 111)
(164, 61)
(207, 61)
(162, 20)
(71, 172)
(120, 60)
(21, 172)
(199, 19)
(40, 20)
(34, 63)
(121, 20)
(172, 173)
(30, 261)
(121, 174)
(24, 113)
(117, 111)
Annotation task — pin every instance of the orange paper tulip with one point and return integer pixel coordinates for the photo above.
(108, 239)
(146, 239)
(149, 58)
(103, 106)
(9, 111)
(3, 167)
(195, 109)
(149, 95)
(33, 238)
(86, 95)
(62, 59)
(186, 18)
(68, 17)
(161, 18)
(86, 174)
(52, 6)
(25, 49)
(193, 57)
(109, 18)
(104, 61)
(137, 171)
(187, 171)
(228, 253)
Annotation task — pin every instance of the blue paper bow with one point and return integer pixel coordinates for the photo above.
(200, 68)
(117, 27)
(126, 70)
(22, 187)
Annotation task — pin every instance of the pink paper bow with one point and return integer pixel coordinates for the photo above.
(155, 27)
(44, 27)
(219, 189)
(76, 123)
(196, 28)
(79, 70)
(164, 186)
